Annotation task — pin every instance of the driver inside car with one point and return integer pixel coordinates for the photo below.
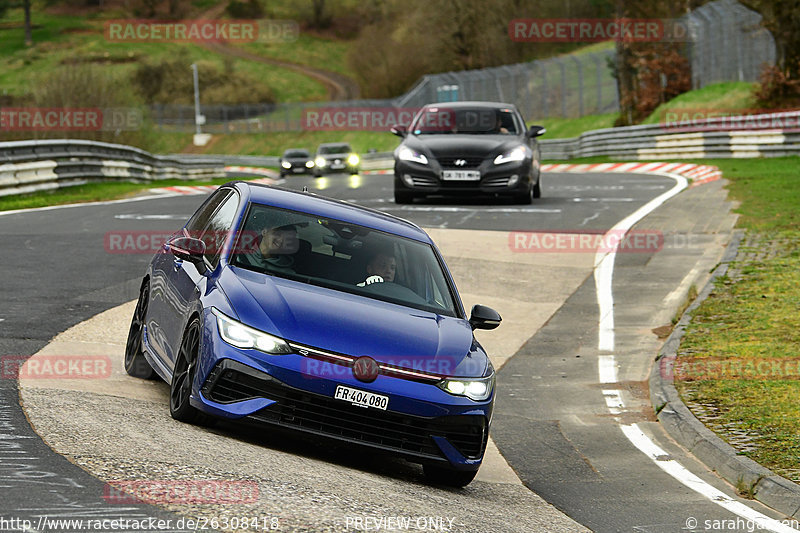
(382, 267)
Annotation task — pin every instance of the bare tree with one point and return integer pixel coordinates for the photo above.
(28, 34)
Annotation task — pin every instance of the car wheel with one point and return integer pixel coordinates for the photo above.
(437, 475)
(135, 363)
(403, 197)
(183, 375)
(537, 190)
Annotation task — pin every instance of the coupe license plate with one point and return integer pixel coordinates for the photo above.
(461, 175)
(298, 170)
(337, 165)
(362, 398)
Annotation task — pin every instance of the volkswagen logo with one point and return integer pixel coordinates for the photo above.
(366, 369)
(460, 162)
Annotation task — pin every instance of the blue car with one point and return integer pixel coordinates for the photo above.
(313, 314)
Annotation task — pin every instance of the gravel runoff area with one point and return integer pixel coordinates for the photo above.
(119, 429)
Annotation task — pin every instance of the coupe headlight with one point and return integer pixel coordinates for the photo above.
(237, 334)
(475, 389)
(517, 154)
(320, 162)
(407, 154)
(286, 164)
(353, 160)
(309, 164)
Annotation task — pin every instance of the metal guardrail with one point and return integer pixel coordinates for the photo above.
(764, 135)
(29, 166)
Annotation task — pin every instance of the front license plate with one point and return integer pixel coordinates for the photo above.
(337, 165)
(361, 398)
(298, 170)
(461, 175)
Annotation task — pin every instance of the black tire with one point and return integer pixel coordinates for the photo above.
(183, 375)
(447, 477)
(135, 363)
(403, 197)
(537, 190)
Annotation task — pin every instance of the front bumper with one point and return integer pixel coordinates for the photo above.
(337, 165)
(422, 422)
(507, 178)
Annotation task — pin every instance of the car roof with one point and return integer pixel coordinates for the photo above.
(326, 145)
(295, 150)
(306, 202)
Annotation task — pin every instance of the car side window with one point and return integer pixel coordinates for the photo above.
(200, 219)
(218, 227)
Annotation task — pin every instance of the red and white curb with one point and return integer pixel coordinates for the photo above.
(698, 174)
(189, 190)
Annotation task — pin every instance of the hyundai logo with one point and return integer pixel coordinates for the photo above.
(460, 162)
(366, 369)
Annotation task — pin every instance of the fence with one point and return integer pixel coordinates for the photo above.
(28, 166)
(728, 43)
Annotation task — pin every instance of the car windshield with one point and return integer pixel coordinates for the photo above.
(472, 121)
(296, 153)
(335, 149)
(344, 257)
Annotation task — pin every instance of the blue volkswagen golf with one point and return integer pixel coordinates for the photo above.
(320, 316)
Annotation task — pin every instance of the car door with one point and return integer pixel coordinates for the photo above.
(174, 283)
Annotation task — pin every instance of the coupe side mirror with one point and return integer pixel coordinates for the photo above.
(399, 129)
(189, 249)
(536, 131)
(483, 317)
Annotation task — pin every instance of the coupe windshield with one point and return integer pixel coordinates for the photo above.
(474, 121)
(296, 153)
(344, 257)
(335, 149)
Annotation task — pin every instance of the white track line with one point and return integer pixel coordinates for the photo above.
(607, 373)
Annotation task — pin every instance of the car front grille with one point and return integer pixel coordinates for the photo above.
(232, 382)
(496, 182)
(423, 181)
(468, 162)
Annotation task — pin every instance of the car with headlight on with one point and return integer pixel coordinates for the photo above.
(467, 148)
(336, 157)
(285, 308)
(296, 161)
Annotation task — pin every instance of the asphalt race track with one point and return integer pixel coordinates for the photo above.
(559, 423)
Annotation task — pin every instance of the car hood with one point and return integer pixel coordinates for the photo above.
(462, 145)
(354, 325)
(342, 155)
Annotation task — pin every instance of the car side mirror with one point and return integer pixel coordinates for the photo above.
(189, 249)
(401, 130)
(483, 317)
(536, 131)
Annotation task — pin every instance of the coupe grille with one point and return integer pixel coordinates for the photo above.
(496, 182)
(468, 162)
(232, 382)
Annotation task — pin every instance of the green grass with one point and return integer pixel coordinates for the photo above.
(725, 97)
(560, 128)
(91, 192)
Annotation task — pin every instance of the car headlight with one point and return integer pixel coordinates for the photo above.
(353, 160)
(517, 154)
(286, 164)
(309, 164)
(320, 162)
(407, 154)
(237, 334)
(475, 389)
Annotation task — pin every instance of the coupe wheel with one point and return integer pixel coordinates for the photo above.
(537, 190)
(437, 475)
(135, 363)
(183, 376)
(526, 197)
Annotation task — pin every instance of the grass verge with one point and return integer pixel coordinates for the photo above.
(742, 348)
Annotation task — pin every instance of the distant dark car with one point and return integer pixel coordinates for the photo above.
(296, 161)
(467, 148)
(336, 157)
